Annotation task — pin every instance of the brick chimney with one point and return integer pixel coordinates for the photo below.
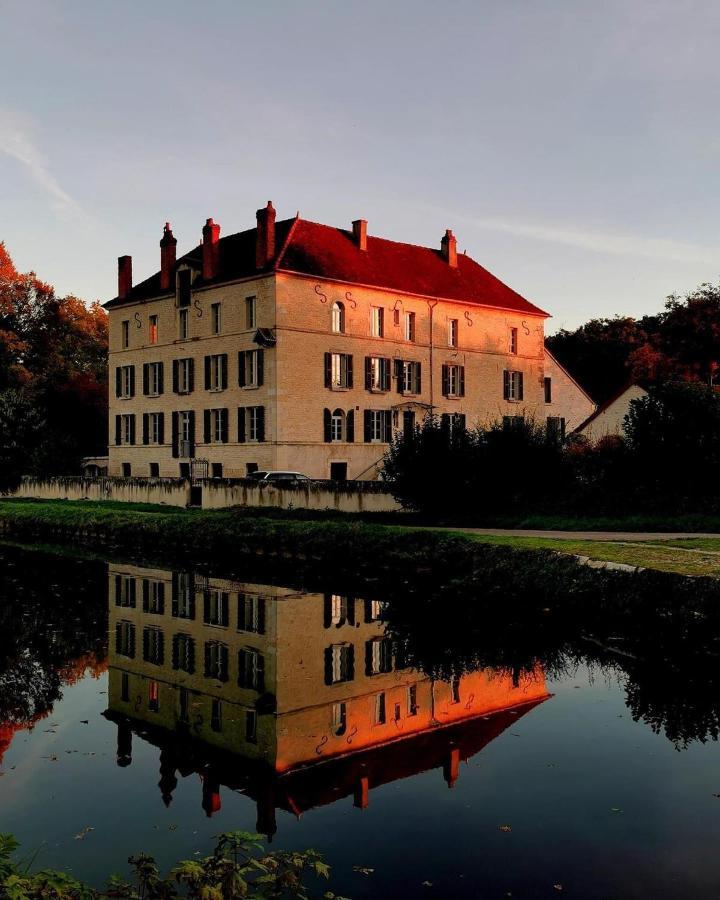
(265, 240)
(168, 245)
(210, 249)
(124, 276)
(448, 248)
(360, 233)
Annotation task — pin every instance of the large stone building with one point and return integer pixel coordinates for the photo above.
(299, 346)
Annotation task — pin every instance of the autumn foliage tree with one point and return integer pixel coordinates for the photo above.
(53, 368)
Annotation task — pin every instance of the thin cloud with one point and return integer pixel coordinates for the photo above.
(601, 242)
(16, 141)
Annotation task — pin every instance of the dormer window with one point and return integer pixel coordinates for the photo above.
(338, 317)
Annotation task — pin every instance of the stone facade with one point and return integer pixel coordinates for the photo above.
(299, 410)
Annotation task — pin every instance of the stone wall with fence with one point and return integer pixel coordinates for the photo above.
(349, 496)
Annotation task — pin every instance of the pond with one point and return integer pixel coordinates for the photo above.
(427, 748)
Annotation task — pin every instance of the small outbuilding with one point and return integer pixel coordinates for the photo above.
(609, 417)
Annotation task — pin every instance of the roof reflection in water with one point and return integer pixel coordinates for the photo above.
(295, 699)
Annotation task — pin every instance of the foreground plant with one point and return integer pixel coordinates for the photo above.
(238, 867)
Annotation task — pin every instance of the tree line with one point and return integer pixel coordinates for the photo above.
(53, 377)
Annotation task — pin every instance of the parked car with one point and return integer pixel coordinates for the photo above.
(281, 478)
(256, 476)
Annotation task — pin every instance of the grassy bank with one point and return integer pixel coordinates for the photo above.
(288, 538)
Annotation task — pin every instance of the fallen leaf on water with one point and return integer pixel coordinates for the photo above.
(364, 870)
(505, 828)
(82, 834)
(559, 888)
(172, 828)
(427, 883)
(84, 721)
(615, 809)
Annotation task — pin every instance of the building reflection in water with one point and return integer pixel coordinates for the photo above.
(296, 700)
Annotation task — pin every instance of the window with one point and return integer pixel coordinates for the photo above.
(183, 376)
(183, 604)
(453, 381)
(183, 653)
(512, 385)
(153, 430)
(374, 610)
(183, 324)
(125, 429)
(153, 329)
(184, 433)
(378, 426)
(216, 715)
(125, 334)
(410, 326)
(513, 422)
(125, 639)
(339, 719)
(547, 385)
(216, 470)
(216, 372)
(256, 420)
(556, 428)
(184, 277)
(251, 613)
(251, 726)
(409, 375)
(250, 368)
(216, 608)
(408, 422)
(125, 382)
(251, 670)
(339, 610)
(338, 317)
(452, 423)
(216, 426)
(153, 696)
(337, 420)
(126, 470)
(215, 318)
(339, 663)
(338, 371)
(250, 310)
(154, 470)
(377, 373)
(452, 332)
(513, 342)
(378, 656)
(377, 321)
(216, 660)
(412, 700)
(153, 646)
(125, 591)
(339, 425)
(152, 379)
(153, 597)
(379, 710)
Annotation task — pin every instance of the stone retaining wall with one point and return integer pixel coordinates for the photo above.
(351, 496)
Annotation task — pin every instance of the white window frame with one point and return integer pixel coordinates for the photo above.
(216, 372)
(410, 327)
(183, 323)
(153, 379)
(338, 317)
(337, 425)
(125, 381)
(251, 601)
(380, 709)
(377, 368)
(154, 428)
(377, 321)
(408, 376)
(252, 358)
(218, 662)
(453, 325)
(254, 423)
(253, 669)
(250, 313)
(216, 318)
(377, 426)
(339, 369)
(514, 378)
(340, 662)
(453, 380)
(184, 375)
(218, 603)
(184, 425)
(126, 634)
(126, 428)
(216, 429)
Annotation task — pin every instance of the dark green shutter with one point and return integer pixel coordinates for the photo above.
(350, 427)
(387, 426)
(241, 425)
(224, 426)
(417, 386)
(175, 376)
(461, 381)
(146, 378)
(385, 373)
(145, 595)
(145, 428)
(191, 375)
(327, 425)
(161, 378)
(520, 385)
(445, 381)
(261, 423)
(241, 368)
(506, 385)
(161, 428)
(349, 369)
(118, 381)
(328, 370)
(175, 437)
(328, 665)
(224, 371)
(207, 373)
(132, 429)
(132, 381)
(368, 425)
(191, 430)
(399, 375)
(118, 430)
(368, 373)
(260, 367)
(206, 426)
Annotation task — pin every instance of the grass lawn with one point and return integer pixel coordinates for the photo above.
(691, 556)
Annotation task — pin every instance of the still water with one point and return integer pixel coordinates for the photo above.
(144, 709)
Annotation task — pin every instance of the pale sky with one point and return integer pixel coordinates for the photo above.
(573, 147)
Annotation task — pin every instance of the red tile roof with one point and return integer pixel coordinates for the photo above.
(327, 253)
